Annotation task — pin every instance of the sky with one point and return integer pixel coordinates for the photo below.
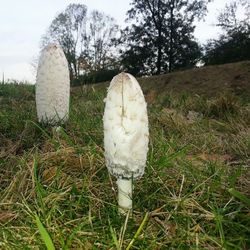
(23, 22)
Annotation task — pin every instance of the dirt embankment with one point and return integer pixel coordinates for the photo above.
(209, 80)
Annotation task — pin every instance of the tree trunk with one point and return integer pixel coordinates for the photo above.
(75, 68)
(159, 45)
(170, 66)
(159, 53)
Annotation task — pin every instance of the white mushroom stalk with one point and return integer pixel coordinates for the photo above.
(52, 86)
(125, 135)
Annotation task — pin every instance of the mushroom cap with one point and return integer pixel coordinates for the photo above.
(125, 128)
(52, 86)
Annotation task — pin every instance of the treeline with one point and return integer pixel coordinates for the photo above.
(233, 44)
(159, 38)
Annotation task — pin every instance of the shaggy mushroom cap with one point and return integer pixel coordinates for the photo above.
(125, 128)
(52, 86)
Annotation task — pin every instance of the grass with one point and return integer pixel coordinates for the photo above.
(56, 193)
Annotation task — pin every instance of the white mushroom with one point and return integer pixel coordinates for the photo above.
(52, 86)
(125, 135)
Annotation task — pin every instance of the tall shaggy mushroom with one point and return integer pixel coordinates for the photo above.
(52, 86)
(125, 135)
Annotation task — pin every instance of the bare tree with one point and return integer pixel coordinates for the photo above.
(229, 19)
(99, 49)
(87, 41)
(69, 30)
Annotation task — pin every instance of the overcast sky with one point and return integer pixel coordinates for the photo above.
(23, 22)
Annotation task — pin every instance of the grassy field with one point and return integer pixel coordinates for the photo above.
(56, 190)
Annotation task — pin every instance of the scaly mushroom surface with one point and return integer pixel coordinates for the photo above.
(125, 135)
(52, 86)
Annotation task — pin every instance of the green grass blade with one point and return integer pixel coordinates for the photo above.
(44, 234)
(41, 129)
(145, 219)
(115, 240)
(239, 196)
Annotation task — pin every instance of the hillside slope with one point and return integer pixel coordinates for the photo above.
(209, 80)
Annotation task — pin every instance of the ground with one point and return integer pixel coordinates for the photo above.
(55, 190)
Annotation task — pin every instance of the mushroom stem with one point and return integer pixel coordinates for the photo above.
(124, 195)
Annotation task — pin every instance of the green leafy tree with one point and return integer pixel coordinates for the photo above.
(160, 38)
(228, 48)
(234, 43)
